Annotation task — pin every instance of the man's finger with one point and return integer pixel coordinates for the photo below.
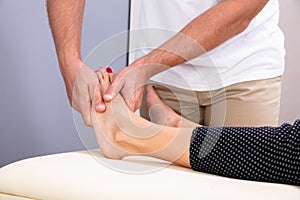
(85, 110)
(138, 105)
(129, 100)
(96, 98)
(98, 102)
(134, 101)
(112, 91)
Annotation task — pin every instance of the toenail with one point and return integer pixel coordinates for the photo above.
(109, 70)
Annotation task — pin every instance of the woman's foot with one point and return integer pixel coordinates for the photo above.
(121, 133)
(162, 114)
(119, 130)
(103, 125)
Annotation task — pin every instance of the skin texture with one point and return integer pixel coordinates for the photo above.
(121, 133)
(216, 25)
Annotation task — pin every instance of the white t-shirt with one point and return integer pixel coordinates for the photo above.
(256, 53)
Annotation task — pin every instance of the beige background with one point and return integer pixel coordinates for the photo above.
(289, 22)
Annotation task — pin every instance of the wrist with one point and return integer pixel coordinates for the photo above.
(148, 66)
(70, 65)
(69, 69)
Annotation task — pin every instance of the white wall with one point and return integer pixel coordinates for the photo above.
(289, 22)
(35, 116)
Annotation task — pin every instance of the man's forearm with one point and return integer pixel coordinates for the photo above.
(65, 17)
(204, 33)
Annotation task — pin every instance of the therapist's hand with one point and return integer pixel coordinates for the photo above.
(130, 82)
(83, 91)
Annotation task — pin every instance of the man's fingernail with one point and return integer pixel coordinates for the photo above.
(108, 96)
(100, 107)
(109, 70)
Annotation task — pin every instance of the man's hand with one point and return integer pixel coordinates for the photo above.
(83, 91)
(65, 18)
(130, 82)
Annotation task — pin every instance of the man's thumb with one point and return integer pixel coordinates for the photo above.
(111, 93)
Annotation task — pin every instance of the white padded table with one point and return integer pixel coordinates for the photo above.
(78, 175)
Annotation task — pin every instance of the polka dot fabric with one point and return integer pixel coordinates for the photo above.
(268, 154)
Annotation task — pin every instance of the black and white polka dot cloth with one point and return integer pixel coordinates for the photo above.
(269, 154)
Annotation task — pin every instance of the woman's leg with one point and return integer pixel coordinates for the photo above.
(121, 133)
(269, 154)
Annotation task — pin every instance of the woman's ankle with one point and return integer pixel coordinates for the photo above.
(130, 145)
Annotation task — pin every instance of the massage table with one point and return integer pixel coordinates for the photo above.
(89, 175)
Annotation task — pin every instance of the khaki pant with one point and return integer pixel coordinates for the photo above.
(252, 103)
